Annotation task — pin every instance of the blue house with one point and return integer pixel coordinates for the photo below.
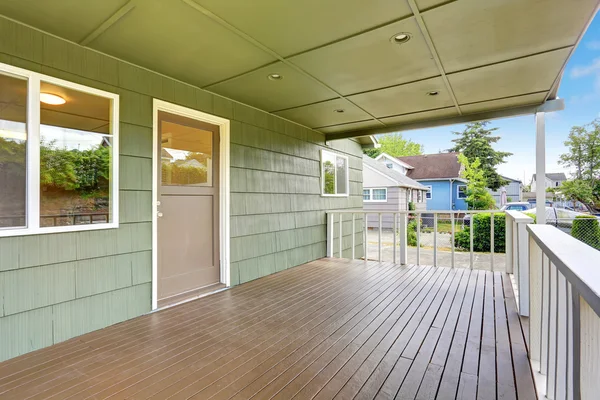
(441, 174)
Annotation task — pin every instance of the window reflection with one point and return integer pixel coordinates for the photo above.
(186, 153)
(75, 158)
(13, 151)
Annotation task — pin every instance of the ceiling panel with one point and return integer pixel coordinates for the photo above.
(427, 4)
(512, 78)
(403, 99)
(353, 126)
(381, 62)
(255, 88)
(290, 27)
(470, 33)
(421, 116)
(171, 37)
(528, 99)
(70, 19)
(324, 113)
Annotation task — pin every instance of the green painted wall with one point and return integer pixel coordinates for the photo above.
(57, 286)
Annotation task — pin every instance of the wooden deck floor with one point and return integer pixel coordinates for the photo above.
(328, 329)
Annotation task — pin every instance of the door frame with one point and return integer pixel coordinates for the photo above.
(224, 128)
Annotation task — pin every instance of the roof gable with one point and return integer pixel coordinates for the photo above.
(398, 178)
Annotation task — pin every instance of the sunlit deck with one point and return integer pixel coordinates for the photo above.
(331, 328)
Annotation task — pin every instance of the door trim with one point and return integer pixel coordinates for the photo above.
(224, 128)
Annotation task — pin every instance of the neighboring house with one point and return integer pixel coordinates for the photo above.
(440, 173)
(514, 191)
(386, 189)
(394, 163)
(553, 180)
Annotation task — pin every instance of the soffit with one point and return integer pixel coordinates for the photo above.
(480, 56)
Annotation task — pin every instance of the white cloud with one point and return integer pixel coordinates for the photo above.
(586, 70)
(593, 45)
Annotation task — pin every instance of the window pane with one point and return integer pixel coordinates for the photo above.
(366, 194)
(341, 175)
(75, 157)
(13, 143)
(186, 153)
(328, 173)
(379, 194)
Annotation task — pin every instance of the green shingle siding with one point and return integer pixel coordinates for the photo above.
(57, 286)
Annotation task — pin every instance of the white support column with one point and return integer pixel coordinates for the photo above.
(403, 239)
(540, 168)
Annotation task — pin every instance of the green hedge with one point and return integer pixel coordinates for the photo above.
(587, 229)
(481, 233)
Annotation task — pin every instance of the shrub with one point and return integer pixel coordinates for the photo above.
(481, 233)
(411, 232)
(411, 206)
(587, 229)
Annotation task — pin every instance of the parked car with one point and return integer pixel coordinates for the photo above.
(560, 217)
(515, 205)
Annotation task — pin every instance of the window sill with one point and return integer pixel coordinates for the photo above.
(9, 232)
(335, 195)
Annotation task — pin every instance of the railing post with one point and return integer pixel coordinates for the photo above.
(509, 243)
(330, 235)
(365, 235)
(395, 231)
(523, 268)
(471, 255)
(418, 217)
(535, 305)
(379, 240)
(435, 229)
(452, 237)
(403, 238)
(353, 236)
(341, 235)
(492, 241)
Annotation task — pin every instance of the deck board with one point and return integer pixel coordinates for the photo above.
(328, 329)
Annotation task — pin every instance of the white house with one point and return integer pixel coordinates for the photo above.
(552, 180)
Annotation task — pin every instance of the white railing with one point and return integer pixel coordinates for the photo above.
(517, 257)
(352, 227)
(564, 314)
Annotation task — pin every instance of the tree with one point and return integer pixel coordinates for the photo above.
(476, 142)
(583, 156)
(395, 145)
(478, 198)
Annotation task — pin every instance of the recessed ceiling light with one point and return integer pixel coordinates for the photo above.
(339, 110)
(275, 77)
(400, 38)
(52, 99)
(433, 93)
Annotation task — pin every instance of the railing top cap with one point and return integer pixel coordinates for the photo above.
(578, 262)
(519, 216)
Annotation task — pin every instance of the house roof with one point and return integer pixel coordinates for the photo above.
(394, 159)
(400, 179)
(555, 176)
(478, 59)
(510, 179)
(433, 166)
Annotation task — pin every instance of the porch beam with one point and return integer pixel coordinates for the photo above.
(540, 167)
(548, 106)
(113, 19)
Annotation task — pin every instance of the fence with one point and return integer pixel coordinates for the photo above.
(445, 238)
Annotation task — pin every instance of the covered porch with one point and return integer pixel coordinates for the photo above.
(331, 328)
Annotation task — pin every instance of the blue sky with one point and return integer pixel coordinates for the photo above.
(580, 87)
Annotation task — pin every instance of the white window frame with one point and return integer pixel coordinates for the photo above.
(429, 191)
(371, 196)
(458, 192)
(324, 152)
(32, 216)
(364, 195)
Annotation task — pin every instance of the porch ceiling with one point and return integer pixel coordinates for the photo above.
(481, 57)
